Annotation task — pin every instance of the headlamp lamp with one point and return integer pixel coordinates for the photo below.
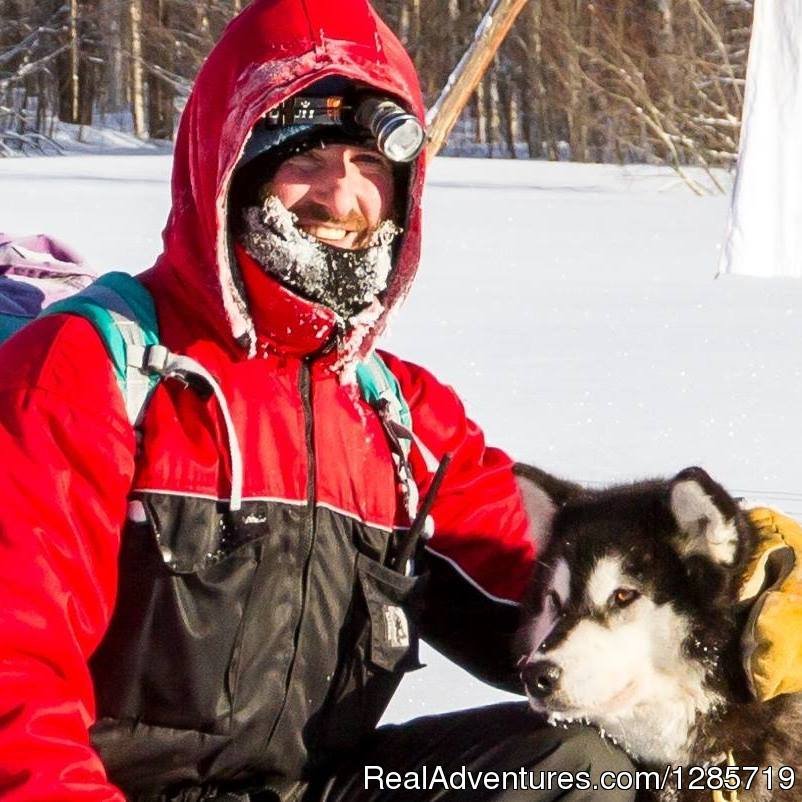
(399, 135)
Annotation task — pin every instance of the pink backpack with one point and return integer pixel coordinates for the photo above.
(36, 271)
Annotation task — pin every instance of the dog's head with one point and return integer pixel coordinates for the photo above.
(633, 605)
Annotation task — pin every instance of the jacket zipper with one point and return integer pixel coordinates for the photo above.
(309, 530)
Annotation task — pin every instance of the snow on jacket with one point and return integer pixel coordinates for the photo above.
(152, 638)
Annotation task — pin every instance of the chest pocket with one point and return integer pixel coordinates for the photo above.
(391, 603)
(188, 569)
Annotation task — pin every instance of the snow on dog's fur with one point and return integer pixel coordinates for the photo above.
(634, 626)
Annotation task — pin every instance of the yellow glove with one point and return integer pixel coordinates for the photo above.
(772, 639)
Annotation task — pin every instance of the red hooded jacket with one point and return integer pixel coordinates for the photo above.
(142, 621)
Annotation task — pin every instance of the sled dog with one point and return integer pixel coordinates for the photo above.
(634, 625)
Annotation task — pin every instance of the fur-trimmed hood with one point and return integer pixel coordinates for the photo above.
(272, 50)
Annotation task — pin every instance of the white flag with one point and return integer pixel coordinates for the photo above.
(764, 236)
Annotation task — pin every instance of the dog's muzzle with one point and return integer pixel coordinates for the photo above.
(542, 678)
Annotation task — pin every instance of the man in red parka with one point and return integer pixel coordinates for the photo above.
(162, 642)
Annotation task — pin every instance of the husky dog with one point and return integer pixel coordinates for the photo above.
(634, 625)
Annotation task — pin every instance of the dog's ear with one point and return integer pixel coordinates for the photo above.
(543, 495)
(706, 516)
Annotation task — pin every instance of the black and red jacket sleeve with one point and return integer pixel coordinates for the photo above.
(481, 555)
(66, 465)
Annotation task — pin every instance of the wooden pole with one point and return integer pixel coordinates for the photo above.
(491, 32)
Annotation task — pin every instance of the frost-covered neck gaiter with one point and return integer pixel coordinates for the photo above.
(347, 281)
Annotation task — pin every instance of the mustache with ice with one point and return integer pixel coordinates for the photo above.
(346, 281)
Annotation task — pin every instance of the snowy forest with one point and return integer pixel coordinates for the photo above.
(655, 81)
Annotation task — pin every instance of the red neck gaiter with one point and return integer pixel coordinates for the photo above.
(285, 323)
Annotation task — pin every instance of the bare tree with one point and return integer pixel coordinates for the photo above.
(137, 69)
(589, 80)
(159, 58)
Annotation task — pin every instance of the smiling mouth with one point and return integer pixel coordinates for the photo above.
(332, 234)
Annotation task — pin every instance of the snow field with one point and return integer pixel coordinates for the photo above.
(574, 307)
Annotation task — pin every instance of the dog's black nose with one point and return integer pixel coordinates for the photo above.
(541, 678)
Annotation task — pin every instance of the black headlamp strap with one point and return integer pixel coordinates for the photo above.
(301, 110)
(397, 134)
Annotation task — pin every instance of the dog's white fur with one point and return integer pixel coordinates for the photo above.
(605, 578)
(540, 511)
(627, 672)
(698, 517)
(634, 660)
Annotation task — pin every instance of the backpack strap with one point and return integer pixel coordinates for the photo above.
(377, 383)
(122, 312)
(156, 360)
(380, 388)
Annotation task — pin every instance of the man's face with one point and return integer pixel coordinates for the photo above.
(340, 193)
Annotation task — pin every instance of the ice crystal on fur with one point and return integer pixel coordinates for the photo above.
(347, 281)
(359, 328)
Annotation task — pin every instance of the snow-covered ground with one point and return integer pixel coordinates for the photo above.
(574, 307)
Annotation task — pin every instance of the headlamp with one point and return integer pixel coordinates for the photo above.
(399, 135)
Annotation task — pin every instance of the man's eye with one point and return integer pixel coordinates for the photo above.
(303, 162)
(371, 161)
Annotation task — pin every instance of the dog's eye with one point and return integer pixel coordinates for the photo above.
(623, 597)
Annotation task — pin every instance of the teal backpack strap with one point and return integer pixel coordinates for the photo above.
(380, 388)
(377, 383)
(123, 314)
(11, 324)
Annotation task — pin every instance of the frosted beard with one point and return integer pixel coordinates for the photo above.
(346, 281)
